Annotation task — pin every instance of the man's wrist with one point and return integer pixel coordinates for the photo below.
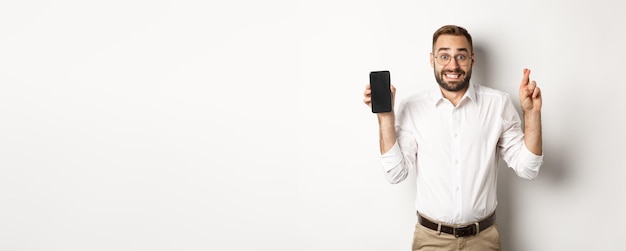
(386, 117)
(532, 114)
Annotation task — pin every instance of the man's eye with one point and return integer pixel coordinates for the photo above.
(461, 57)
(445, 57)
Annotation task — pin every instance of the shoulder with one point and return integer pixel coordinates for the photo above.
(414, 104)
(488, 93)
(419, 98)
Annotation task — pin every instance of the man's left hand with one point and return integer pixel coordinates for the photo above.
(529, 94)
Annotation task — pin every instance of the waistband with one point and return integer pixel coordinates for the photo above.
(458, 231)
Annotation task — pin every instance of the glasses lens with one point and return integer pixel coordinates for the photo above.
(443, 59)
(461, 59)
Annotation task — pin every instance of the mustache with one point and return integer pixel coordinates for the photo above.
(453, 71)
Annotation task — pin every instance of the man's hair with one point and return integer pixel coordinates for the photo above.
(453, 30)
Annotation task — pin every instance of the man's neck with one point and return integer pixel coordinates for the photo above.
(454, 97)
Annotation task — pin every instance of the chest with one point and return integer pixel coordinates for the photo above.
(467, 124)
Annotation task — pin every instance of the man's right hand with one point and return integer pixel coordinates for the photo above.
(386, 120)
(367, 98)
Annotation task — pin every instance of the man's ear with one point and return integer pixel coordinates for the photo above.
(472, 59)
(432, 60)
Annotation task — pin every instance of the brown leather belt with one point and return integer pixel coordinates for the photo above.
(458, 231)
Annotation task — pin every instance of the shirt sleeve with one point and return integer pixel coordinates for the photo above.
(511, 145)
(391, 158)
(403, 155)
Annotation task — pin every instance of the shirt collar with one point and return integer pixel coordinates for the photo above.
(437, 96)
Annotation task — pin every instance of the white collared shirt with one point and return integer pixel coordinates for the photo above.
(455, 151)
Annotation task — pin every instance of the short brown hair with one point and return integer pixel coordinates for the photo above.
(453, 30)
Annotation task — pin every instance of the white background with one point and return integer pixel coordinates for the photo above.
(194, 125)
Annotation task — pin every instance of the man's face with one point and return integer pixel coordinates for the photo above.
(452, 60)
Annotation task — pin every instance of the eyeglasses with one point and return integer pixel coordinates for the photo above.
(461, 59)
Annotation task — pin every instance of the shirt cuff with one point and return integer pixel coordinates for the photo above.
(391, 158)
(529, 157)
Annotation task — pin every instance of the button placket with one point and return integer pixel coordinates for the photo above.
(456, 148)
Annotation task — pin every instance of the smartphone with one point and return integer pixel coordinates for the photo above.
(380, 82)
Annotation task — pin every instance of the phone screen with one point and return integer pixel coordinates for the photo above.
(381, 94)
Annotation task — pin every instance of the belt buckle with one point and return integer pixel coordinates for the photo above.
(456, 233)
(465, 231)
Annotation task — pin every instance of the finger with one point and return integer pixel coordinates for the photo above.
(536, 92)
(367, 92)
(532, 85)
(525, 91)
(525, 77)
(531, 88)
(367, 100)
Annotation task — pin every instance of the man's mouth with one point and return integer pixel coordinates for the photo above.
(453, 76)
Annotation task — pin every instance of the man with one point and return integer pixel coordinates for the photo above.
(452, 137)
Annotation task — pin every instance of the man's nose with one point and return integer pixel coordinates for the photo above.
(454, 62)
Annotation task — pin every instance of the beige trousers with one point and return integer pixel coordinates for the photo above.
(425, 239)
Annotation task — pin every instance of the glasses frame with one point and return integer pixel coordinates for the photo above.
(456, 57)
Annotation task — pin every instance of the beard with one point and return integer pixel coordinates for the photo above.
(454, 86)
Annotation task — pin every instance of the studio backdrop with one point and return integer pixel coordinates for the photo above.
(216, 125)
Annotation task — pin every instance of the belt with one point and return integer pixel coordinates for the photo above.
(458, 231)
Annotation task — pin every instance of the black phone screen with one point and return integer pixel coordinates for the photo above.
(381, 93)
